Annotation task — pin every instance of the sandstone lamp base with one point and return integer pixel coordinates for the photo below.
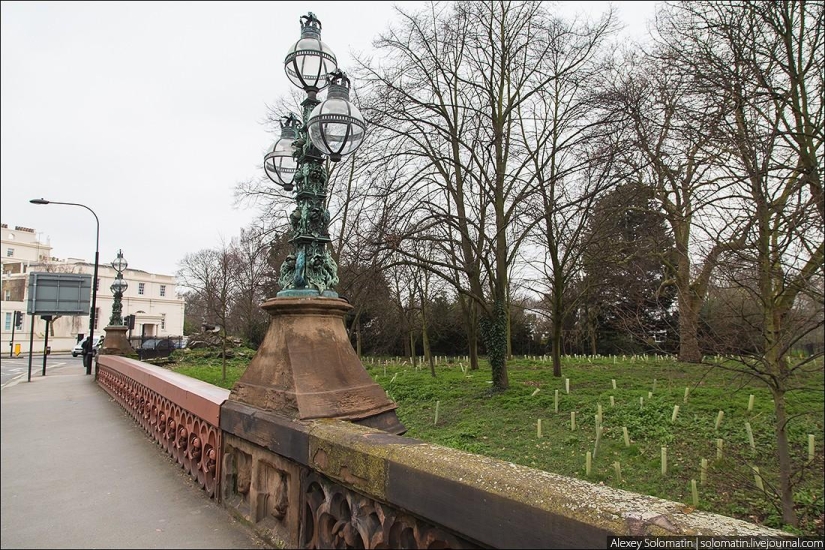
(306, 368)
(115, 342)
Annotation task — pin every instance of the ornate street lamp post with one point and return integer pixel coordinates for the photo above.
(118, 287)
(116, 342)
(305, 367)
(331, 128)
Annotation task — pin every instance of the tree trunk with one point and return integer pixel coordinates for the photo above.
(509, 327)
(425, 339)
(471, 314)
(783, 450)
(689, 351)
(494, 332)
(555, 351)
(413, 358)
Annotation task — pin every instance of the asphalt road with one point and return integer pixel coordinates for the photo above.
(15, 369)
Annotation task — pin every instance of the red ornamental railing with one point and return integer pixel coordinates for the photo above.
(180, 413)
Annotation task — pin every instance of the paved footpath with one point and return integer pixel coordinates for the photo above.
(78, 472)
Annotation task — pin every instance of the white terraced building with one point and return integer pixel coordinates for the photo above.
(151, 297)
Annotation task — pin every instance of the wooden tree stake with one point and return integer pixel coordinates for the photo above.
(626, 436)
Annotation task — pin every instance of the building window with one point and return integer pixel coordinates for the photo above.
(8, 321)
(162, 320)
(7, 295)
(97, 317)
(141, 288)
(9, 252)
(163, 290)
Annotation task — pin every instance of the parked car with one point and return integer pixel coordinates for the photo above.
(78, 349)
(159, 344)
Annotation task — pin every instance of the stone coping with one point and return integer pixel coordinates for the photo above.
(198, 397)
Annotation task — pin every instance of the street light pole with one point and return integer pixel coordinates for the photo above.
(94, 277)
(306, 367)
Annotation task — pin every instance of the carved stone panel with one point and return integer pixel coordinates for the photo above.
(262, 487)
(336, 517)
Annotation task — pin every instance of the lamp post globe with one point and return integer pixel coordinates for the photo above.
(119, 286)
(336, 126)
(120, 264)
(309, 60)
(280, 163)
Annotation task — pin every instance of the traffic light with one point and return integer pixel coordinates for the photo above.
(130, 322)
(18, 319)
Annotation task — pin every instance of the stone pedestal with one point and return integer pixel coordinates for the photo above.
(116, 342)
(306, 368)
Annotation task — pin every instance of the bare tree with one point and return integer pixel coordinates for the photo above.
(763, 62)
(251, 250)
(569, 163)
(448, 93)
(212, 274)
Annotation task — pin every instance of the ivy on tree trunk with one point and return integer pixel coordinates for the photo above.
(493, 328)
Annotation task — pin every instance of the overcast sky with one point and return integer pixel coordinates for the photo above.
(150, 113)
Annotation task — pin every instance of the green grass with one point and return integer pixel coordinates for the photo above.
(504, 425)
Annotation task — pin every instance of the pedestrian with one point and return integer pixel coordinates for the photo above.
(86, 346)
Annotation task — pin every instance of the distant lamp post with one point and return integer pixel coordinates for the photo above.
(306, 367)
(118, 287)
(93, 311)
(116, 342)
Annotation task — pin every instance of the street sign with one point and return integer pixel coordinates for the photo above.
(59, 293)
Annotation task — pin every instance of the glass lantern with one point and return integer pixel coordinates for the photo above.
(119, 263)
(309, 61)
(119, 286)
(335, 126)
(280, 164)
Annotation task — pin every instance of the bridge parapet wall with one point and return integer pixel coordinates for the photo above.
(344, 485)
(332, 483)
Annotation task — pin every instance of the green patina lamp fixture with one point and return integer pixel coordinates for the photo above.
(305, 367)
(330, 128)
(118, 287)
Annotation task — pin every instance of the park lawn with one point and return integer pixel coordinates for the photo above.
(504, 425)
